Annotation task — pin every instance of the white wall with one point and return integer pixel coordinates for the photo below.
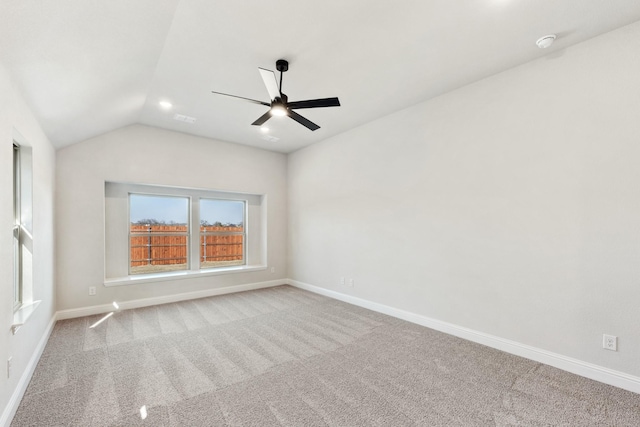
(510, 206)
(146, 155)
(16, 116)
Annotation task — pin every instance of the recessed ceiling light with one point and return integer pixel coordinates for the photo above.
(166, 104)
(264, 129)
(546, 41)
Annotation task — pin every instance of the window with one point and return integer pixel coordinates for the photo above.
(17, 282)
(157, 231)
(221, 233)
(22, 225)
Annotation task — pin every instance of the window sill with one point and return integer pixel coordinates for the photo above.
(23, 314)
(178, 275)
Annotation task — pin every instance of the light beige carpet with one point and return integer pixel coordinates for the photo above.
(283, 356)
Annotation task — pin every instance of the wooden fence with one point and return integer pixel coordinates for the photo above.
(167, 244)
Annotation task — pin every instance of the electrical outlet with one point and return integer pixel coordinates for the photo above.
(92, 290)
(273, 269)
(610, 342)
(9, 367)
(342, 281)
(351, 282)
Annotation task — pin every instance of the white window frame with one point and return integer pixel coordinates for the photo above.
(23, 303)
(242, 233)
(117, 227)
(22, 224)
(17, 230)
(187, 233)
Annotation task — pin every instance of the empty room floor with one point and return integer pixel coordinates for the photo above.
(284, 356)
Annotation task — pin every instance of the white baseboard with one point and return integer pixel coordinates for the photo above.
(18, 393)
(146, 302)
(575, 366)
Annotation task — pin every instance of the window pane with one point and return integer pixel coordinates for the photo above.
(26, 188)
(17, 294)
(159, 229)
(221, 233)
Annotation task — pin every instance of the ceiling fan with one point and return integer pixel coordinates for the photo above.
(280, 105)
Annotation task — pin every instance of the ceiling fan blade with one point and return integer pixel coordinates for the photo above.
(269, 79)
(304, 122)
(262, 119)
(255, 101)
(314, 103)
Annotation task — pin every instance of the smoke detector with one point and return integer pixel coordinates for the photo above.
(546, 41)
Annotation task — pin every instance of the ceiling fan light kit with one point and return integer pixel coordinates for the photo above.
(278, 110)
(280, 105)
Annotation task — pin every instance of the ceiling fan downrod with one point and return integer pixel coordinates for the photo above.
(282, 65)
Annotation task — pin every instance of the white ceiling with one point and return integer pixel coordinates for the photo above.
(87, 67)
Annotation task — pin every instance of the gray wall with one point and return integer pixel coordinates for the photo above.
(16, 116)
(145, 155)
(509, 206)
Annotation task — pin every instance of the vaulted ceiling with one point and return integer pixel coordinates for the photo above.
(88, 67)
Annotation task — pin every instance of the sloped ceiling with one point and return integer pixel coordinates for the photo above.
(88, 67)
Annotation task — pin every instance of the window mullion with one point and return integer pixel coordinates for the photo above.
(194, 233)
